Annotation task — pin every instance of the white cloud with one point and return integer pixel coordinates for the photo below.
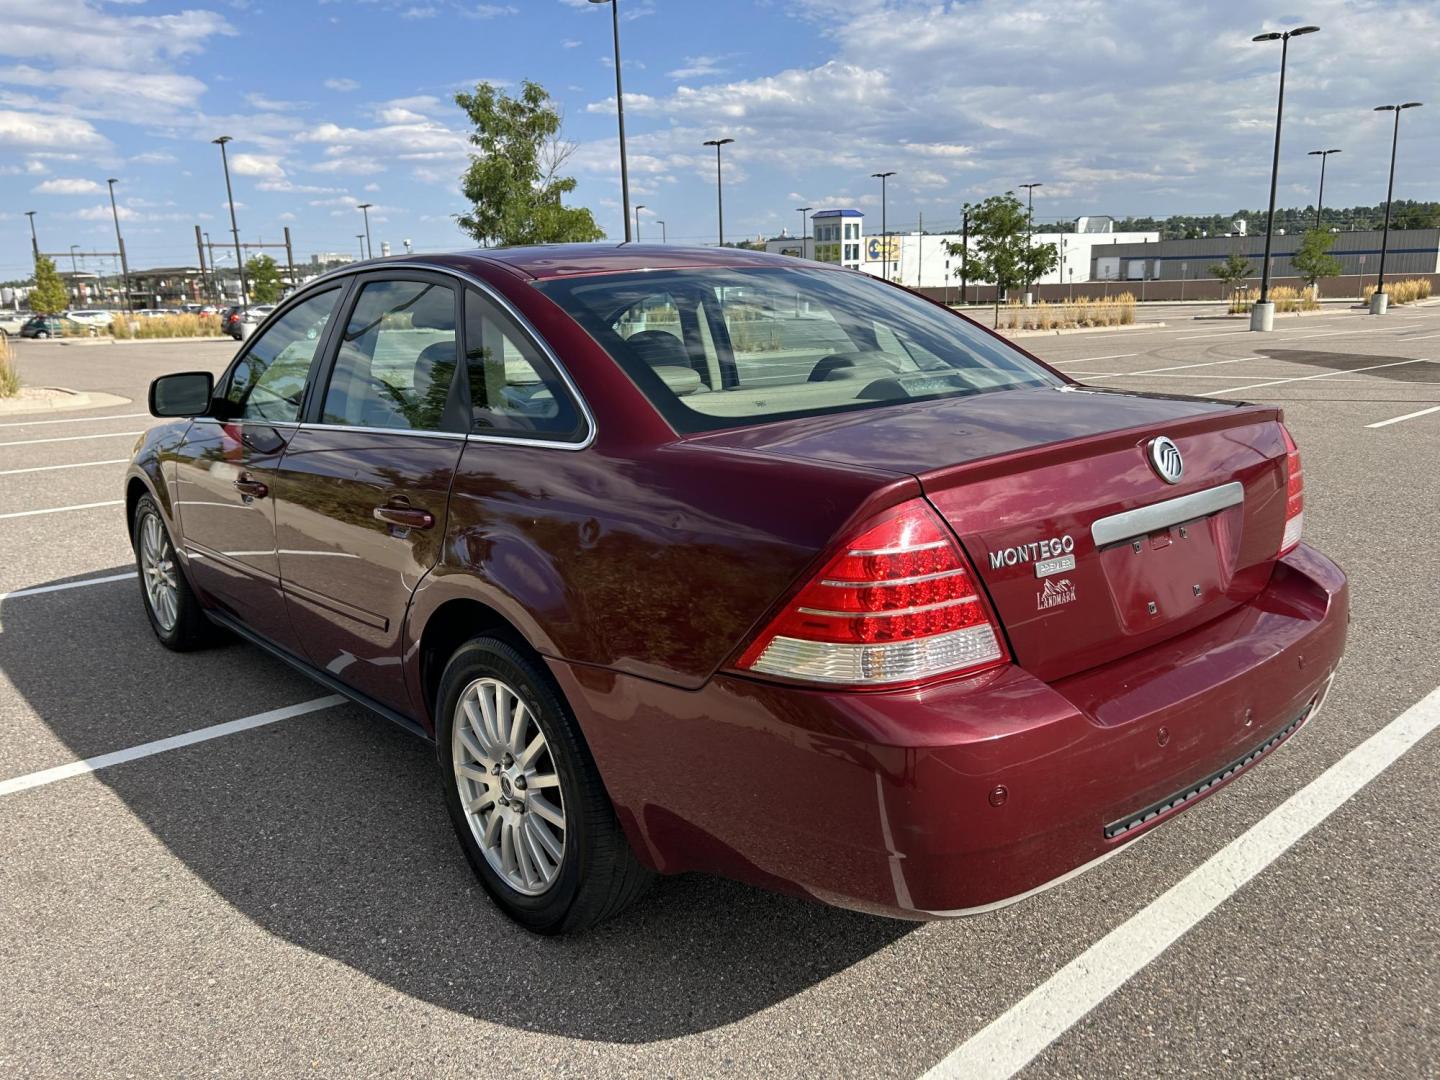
(68, 186)
(39, 130)
(269, 104)
(266, 165)
(79, 32)
(343, 86)
(697, 67)
(426, 12)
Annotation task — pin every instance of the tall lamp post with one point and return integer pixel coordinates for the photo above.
(364, 208)
(74, 270)
(719, 185)
(34, 243)
(638, 208)
(663, 238)
(1379, 302)
(804, 212)
(120, 240)
(360, 237)
(1030, 231)
(1320, 198)
(884, 223)
(234, 228)
(620, 114)
(1262, 315)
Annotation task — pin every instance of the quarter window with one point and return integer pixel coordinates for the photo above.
(268, 382)
(395, 367)
(514, 389)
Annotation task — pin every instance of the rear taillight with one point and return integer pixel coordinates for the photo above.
(1294, 495)
(897, 604)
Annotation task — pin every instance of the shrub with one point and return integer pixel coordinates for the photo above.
(1083, 311)
(130, 328)
(9, 377)
(1287, 298)
(1401, 292)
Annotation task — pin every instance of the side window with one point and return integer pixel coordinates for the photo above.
(395, 367)
(268, 383)
(514, 389)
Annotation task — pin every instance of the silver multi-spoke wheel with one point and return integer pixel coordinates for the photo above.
(509, 788)
(158, 570)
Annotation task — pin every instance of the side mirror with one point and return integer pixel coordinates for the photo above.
(186, 393)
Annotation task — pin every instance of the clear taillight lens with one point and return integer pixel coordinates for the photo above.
(897, 604)
(1294, 495)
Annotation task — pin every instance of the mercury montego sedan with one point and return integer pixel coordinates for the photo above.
(711, 560)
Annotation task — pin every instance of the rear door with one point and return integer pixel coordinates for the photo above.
(362, 490)
(225, 474)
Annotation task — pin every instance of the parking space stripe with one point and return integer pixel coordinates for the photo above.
(38, 589)
(159, 746)
(1407, 416)
(61, 509)
(1016, 1037)
(1322, 375)
(1088, 359)
(73, 438)
(72, 465)
(73, 420)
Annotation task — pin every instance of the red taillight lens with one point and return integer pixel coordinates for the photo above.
(897, 604)
(1294, 495)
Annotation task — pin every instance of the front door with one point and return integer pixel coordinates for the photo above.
(362, 491)
(226, 468)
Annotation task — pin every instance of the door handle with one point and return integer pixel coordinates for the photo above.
(407, 517)
(251, 489)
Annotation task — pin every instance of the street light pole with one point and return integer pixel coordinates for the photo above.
(34, 243)
(884, 223)
(360, 236)
(663, 238)
(1262, 315)
(74, 270)
(804, 212)
(1030, 226)
(620, 114)
(234, 228)
(364, 208)
(1320, 198)
(638, 208)
(1379, 302)
(719, 185)
(120, 240)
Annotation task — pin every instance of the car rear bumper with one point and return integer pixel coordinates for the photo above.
(967, 795)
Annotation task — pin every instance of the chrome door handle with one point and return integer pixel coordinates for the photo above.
(407, 517)
(251, 489)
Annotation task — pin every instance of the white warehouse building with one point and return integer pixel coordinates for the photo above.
(923, 260)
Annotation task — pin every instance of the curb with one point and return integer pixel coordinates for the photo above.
(72, 399)
(86, 342)
(1079, 330)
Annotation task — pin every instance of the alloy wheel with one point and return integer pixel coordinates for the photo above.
(158, 570)
(509, 786)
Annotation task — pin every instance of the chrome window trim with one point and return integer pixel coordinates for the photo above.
(490, 293)
(318, 426)
(1161, 515)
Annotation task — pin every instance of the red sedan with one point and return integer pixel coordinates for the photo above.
(711, 560)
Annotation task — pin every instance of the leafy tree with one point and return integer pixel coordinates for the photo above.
(1313, 258)
(1413, 215)
(514, 183)
(1233, 271)
(1002, 253)
(263, 276)
(48, 297)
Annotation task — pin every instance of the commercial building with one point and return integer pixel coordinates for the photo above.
(923, 260)
(1410, 252)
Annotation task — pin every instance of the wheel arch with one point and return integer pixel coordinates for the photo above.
(454, 622)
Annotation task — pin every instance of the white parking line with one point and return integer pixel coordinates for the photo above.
(1087, 359)
(1407, 416)
(73, 420)
(38, 589)
(1016, 1037)
(159, 746)
(73, 465)
(73, 438)
(1322, 375)
(61, 509)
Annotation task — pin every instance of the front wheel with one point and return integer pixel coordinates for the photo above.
(524, 796)
(170, 604)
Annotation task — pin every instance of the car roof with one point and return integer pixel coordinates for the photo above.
(570, 260)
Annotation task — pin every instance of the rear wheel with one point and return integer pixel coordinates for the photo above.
(170, 604)
(524, 796)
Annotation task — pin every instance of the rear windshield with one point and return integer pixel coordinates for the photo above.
(718, 348)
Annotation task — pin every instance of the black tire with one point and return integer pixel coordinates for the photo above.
(190, 629)
(598, 875)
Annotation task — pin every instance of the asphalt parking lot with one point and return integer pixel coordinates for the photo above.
(287, 898)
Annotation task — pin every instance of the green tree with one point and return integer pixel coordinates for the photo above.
(1001, 252)
(263, 277)
(48, 297)
(1233, 271)
(514, 184)
(1313, 258)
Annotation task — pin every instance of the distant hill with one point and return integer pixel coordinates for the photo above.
(1407, 215)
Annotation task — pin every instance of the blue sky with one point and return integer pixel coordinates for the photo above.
(1146, 106)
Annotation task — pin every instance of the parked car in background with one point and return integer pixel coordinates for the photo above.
(699, 559)
(231, 319)
(11, 322)
(95, 317)
(258, 313)
(49, 326)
